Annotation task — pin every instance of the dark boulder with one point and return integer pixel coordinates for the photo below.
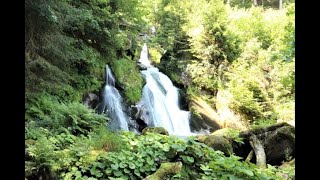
(280, 145)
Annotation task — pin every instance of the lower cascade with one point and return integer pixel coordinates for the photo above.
(159, 106)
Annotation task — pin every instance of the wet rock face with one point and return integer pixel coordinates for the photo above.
(136, 114)
(91, 100)
(183, 105)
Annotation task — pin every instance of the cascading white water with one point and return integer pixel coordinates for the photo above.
(112, 103)
(144, 60)
(160, 100)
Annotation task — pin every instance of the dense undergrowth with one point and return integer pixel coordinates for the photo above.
(248, 52)
(105, 155)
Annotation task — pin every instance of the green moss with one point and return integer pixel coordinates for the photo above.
(128, 76)
(219, 143)
(164, 170)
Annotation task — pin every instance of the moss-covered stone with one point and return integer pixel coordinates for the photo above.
(157, 130)
(219, 143)
(164, 170)
(129, 78)
(201, 138)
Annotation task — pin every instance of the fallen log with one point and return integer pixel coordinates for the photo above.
(250, 156)
(258, 151)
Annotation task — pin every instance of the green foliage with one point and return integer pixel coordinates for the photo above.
(147, 152)
(212, 41)
(250, 96)
(135, 157)
(46, 112)
(65, 154)
(43, 156)
(173, 68)
(128, 76)
(232, 168)
(69, 42)
(104, 139)
(203, 75)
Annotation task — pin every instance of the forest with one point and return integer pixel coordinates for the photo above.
(159, 89)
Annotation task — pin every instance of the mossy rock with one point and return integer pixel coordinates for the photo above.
(157, 130)
(168, 168)
(219, 143)
(201, 137)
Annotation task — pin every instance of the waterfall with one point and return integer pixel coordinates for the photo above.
(160, 100)
(144, 60)
(112, 103)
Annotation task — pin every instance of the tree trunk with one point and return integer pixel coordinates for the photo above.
(228, 2)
